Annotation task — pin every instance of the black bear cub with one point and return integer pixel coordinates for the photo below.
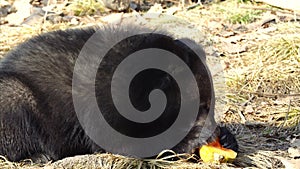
(37, 115)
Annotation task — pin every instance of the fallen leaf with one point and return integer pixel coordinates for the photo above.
(226, 34)
(154, 12)
(115, 18)
(156, 8)
(172, 10)
(286, 4)
(23, 8)
(294, 152)
(234, 48)
(249, 109)
(290, 164)
(296, 143)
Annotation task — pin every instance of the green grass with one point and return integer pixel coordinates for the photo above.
(244, 17)
(87, 7)
(233, 12)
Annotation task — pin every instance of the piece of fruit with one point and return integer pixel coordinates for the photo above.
(214, 152)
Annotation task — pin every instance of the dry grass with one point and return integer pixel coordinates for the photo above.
(112, 161)
(266, 80)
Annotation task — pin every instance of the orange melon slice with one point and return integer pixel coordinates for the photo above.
(214, 152)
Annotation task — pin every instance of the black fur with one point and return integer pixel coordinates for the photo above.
(37, 117)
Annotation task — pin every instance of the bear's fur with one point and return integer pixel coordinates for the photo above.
(37, 116)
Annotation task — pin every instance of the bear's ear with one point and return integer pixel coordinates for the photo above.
(197, 48)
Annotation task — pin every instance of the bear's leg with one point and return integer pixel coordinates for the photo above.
(19, 130)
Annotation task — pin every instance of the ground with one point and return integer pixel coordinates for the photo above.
(252, 48)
